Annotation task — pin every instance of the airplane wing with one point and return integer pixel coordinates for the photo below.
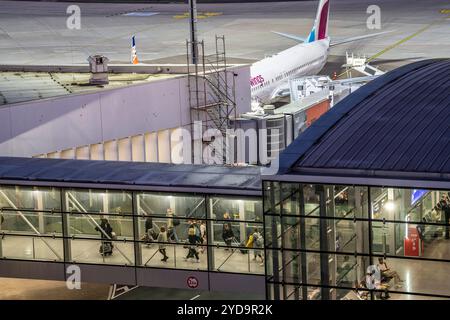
(347, 40)
(290, 36)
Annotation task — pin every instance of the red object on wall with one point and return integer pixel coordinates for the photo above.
(314, 113)
(412, 243)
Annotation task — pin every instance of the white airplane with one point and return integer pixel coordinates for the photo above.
(270, 76)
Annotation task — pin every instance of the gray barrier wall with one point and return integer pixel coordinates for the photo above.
(43, 126)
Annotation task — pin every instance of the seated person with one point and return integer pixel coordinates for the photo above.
(373, 281)
(387, 274)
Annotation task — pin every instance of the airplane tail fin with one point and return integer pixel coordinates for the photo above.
(320, 27)
(134, 58)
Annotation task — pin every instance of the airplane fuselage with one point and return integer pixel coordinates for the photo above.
(270, 74)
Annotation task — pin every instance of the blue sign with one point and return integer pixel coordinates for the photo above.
(417, 194)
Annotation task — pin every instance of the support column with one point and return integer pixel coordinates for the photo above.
(324, 265)
(210, 234)
(242, 228)
(391, 226)
(136, 230)
(303, 260)
(275, 264)
(331, 212)
(66, 227)
(39, 206)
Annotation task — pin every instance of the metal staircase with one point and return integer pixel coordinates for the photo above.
(211, 88)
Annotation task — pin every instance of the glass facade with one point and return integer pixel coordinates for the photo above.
(141, 229)
(356, 242)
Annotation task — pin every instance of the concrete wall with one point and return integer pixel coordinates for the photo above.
(63, 123)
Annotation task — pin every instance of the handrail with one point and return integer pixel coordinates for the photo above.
(229, 256)
(145, 264)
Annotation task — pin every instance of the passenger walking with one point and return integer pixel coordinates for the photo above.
(148, 224)
(256, 241)
(227, 235)
(172, 224)
(150, 234)
(193, 241)
(226, 224)
(106, 234)
(162, 239)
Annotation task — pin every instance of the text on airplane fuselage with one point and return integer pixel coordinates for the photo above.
(256, 80)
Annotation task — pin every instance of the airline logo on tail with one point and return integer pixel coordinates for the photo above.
(320, 28)
(134, 58)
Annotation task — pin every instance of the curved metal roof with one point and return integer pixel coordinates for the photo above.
(131, 175)
(397, 126)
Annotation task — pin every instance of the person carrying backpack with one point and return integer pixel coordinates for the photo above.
(256, 241)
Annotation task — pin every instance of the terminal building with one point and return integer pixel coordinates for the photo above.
(367, 180)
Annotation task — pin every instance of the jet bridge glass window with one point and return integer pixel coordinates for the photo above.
(169, 204)
(31, 223)
(98, 201)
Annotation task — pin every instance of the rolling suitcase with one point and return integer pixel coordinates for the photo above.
(106, 249)
(242, 244)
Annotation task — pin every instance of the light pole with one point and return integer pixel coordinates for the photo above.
(193, 29)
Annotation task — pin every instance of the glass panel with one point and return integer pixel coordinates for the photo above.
(313, 268)
(155, 254)
(293, 292)
(413, 240)
(32, 198)
(314, 293)
(236, 260)
(311, 199)
(274, 265)
(346, 270)
(31, 248)
(350, 202)
(273, 232)
(165, 250)
(412, 205)
(102, 251)
(290, 196)
(292, 267)
(269, 192)
(32, 222)
(345, 235)
(98, 201)
(235, 233)
(163, 204)
(412, 275)
(100, 226)
(291, 232)
(236, 209)
(312, 233)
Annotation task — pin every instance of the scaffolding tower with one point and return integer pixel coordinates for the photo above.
(212, 95)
